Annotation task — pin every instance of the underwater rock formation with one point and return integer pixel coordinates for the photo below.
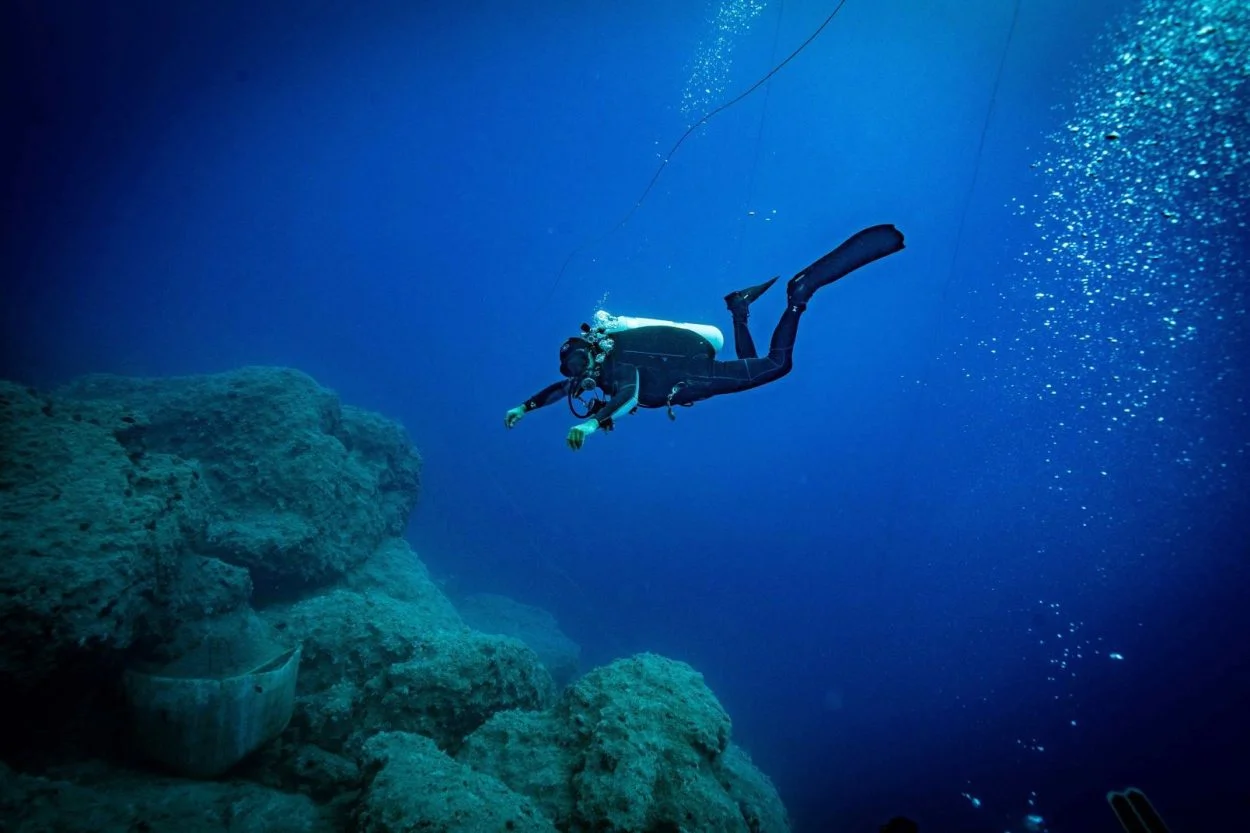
(491, 613)
(97, 540)
(302, 486)
(138, 516)
(372, 662)
(639, 745)
(394, 569)
(410, 778)
(103, 800)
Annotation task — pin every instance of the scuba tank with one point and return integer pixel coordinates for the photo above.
(607, 323)
(598, 343)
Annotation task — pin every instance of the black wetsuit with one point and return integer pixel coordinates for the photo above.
(664, 366)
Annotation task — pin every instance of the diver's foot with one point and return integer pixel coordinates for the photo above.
(743, 298)
(862, 248)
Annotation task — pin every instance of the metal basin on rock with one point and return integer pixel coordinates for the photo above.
(203, 725)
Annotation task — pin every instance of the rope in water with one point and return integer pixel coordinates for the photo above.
(690, 130)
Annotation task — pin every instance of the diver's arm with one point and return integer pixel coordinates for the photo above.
(547, 396)
(625, 379)
(625, 383)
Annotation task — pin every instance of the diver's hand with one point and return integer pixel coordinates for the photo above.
(579, 433)
(513, 416)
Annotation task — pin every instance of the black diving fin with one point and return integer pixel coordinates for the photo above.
(1135, 812)
(862, 248)
(745, 297)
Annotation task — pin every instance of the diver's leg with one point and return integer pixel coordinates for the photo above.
(859, 250)
(744, 345)
(739, 304)
(743, 374)
(750, 372)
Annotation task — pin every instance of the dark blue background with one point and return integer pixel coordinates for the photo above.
(384, 194)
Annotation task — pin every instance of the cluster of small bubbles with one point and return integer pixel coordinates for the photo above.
(1132, 297)
(1063, 641)
(1032, 822)
(709, 72)
(1064, 646)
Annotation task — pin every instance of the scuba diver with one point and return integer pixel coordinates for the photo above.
(644, 363)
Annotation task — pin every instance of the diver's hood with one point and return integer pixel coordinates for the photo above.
(570, 348)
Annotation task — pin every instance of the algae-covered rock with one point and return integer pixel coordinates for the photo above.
(413, 786)
(393, 569)
(372, 662)
(639, 745)
(302, 486)
(95, 538)
(752, 791)
(101, 800)
(455, 682)
(491, 613)
(290, 765)
(536, 754)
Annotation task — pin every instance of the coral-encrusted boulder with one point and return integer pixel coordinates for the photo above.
(414, 786)
(303, 487)
(96, 798)
(372, 662)
(94, 539)
(491, 613)
(641, 744)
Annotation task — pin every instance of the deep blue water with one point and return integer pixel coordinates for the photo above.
(908, 568)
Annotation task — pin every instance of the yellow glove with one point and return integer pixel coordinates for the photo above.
(513, 416)
(579, 433)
